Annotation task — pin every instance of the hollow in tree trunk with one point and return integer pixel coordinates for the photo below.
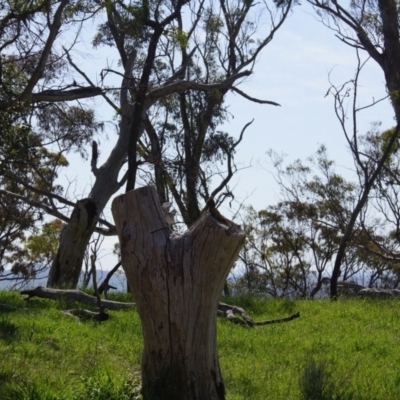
(176, 280)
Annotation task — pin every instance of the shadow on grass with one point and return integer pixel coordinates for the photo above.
(25, 391)
(4, 378)
(8, 331)
(317, 382)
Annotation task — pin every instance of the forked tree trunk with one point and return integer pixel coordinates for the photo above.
(176, 280)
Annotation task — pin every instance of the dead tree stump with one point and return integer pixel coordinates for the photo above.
(176, 280)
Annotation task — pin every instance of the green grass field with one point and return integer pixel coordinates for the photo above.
(349, 349)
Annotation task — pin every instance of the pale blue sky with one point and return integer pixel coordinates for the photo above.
(293, 71)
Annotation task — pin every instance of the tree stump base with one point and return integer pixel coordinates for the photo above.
(176, 280)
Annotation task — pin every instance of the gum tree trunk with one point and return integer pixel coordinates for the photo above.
(176, 280)
(67, 264)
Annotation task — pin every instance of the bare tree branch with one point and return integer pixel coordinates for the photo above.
(55, 213)
(54, 96)
(246, 96)
(182, 85)
(229, 155)
(54, 30)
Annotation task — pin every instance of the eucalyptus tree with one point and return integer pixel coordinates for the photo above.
(166, 51)
(22, 159)
(290, 246)
(178, 61)
(382, 244)
(35, 252)
(177, 279)
(15, 222)
(39, 124)
(371, 27)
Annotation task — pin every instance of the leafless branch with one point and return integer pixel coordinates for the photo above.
(54, 30)
(55, 213)
(246, 96)
(183, 85)
(54, 96)
(229, 161)
(88, 79)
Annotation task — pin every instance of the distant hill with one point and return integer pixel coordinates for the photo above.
(118, 280)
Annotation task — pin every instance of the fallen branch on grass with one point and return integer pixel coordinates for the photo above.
(224, 310)
(228, 311)
(87, 314)
(74, 295)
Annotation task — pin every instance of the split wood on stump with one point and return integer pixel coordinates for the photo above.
(176, 280)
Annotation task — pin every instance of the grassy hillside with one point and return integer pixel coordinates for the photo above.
(349, 349)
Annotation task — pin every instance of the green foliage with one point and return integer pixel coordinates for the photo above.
(73, 127)
(37, 251)
(54, 356)
(178, 37)
(346, 348)
(291, 247)
(80, 8)
(217, 146)
(385, 137)
(351, 342)
(129, 20)
(13, 80)
(27, 391)
(288, 243)
(395, 96)
(110, 387)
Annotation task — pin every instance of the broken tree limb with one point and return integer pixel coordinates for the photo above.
(74, 295)
(54, 96)
(278, 320)
(224, 310)
(105, 285)
(230, 312)
(86, 314)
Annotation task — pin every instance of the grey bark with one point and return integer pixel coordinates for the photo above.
(176, 280)
(74, 295)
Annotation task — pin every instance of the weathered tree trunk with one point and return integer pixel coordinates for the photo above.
(67, 263)
(176, 281)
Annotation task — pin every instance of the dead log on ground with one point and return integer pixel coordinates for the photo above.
(74, 295)
(230, 312)
(224, 310)
(87, 315)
